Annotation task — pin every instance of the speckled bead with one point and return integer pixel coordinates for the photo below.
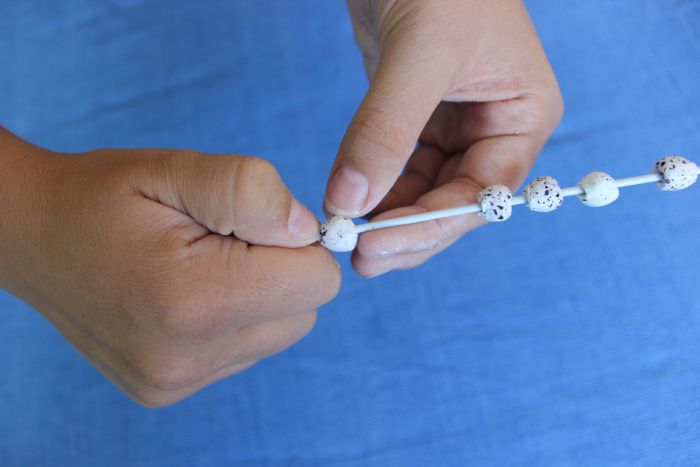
(543, 194)
(339, 234)
(676, 172)
(599, 189)
(496, 203)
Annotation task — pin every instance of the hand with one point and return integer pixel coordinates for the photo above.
(469, 82)
(163, 268)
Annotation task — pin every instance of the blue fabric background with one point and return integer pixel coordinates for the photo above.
(590, 356)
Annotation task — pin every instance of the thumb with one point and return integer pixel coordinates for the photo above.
(233, 195)
(406, 89)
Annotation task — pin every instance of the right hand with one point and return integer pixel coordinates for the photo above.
(462, 96)
(168, 270)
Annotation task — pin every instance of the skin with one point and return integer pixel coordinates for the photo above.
(462, 96)
(167, 270)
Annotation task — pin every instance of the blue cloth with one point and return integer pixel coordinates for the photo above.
(590, 356)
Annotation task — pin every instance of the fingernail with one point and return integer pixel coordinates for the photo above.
(347, 193)
(302, 224)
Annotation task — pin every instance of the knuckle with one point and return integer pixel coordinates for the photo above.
(549, 106)
(541, 115)
(147, 400)
(254, 172)
(222, 220)
(556, 107)
(161, 371)
(257, 183)
(154, 399)
(296, 329)
(305, 323)
(177, 162)
(164, 373)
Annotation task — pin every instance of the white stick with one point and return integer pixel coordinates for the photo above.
(638, 180)
(475, 208)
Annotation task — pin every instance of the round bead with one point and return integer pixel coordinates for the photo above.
(496, 203)
(599, 189)
(676, 172)
(543, 194)
(339, 234)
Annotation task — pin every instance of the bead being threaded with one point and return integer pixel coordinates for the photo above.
(339, 234)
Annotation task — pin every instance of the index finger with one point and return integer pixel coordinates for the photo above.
(245, 284)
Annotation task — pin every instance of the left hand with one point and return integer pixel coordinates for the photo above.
(466, 80)
(168, 270)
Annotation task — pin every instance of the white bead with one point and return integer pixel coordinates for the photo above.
(496, 203)
(339, 234)
(676, 172)
(543, 194)
(599, 189)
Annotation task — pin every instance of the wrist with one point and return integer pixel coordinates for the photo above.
(23, 169)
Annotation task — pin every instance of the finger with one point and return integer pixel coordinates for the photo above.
(158, 398)
(363, 19)
(238, 195)
(376, 266)
(409, 239)
(292, 280)
(120, 370)
(421, 171)
(249, 345)
(448, 170)
(504, 160)
(173, 373)
(247, 284)
(385, 129)
(267, 338)
(456, 126)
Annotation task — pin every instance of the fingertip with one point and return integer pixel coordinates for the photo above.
(322, 269)
(347, 192)
(335, 279)
(302, 225)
